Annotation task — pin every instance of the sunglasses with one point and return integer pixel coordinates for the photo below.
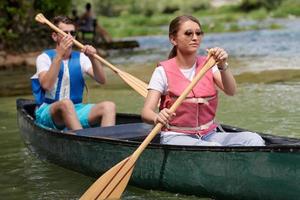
(73, 33)
(190, 33)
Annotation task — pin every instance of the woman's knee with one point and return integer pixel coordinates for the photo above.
(254, 139)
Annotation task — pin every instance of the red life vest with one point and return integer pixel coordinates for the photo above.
(197, 112)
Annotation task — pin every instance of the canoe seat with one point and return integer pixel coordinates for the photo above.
(132, 132)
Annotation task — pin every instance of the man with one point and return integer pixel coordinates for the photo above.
(88, 23)
(58, 84)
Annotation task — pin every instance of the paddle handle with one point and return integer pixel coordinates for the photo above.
(210, 62)
(42, 19)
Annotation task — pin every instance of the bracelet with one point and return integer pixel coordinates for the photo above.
(224, 68)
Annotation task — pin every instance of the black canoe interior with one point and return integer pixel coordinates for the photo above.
(130, 127)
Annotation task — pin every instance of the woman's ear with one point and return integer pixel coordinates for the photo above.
(173, 41)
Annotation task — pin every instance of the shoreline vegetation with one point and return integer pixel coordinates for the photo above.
(127, 18)
(22, 39)
(20, 33)
(227, 18)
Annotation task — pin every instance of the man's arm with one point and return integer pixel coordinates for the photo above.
(48, 78)
(96, 71)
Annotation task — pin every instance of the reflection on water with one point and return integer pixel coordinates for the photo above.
(270, 108)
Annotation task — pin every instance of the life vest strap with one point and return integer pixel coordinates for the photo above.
(198, 128)
(197, 100)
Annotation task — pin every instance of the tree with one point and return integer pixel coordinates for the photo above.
(18, 29)
(248, 5)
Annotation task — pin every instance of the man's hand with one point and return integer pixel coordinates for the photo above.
(89, 51)
(64, 45)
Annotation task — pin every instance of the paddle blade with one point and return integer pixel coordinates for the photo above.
(101, 188)
(135, 83)
(117, 191)
(40, 18)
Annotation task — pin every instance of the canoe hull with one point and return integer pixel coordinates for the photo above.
(220, 173)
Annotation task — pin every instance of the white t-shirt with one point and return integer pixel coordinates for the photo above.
(43, 63)
(159, 81)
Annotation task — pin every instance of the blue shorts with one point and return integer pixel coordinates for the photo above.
(43, 115)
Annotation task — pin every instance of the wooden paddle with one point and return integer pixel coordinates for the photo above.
(135, 83)
(112, 184)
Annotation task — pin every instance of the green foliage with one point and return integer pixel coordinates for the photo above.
(123, 18)
(132, 25)
(288, 7)
(248, 5)
(147, 7)
(18, 29)
(13, 16)
(259, 14)
(51, 8)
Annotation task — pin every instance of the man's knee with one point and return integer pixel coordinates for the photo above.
(109, 107)
(65, 105)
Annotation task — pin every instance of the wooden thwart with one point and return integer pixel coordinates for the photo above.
(112, 184)
(135, 83)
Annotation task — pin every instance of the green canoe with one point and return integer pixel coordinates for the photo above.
(248, 173)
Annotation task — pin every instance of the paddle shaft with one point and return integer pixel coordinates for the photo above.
(138, 85)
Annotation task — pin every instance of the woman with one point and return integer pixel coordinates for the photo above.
(193, 122)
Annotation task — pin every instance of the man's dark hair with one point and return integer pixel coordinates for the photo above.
(62, 19)
(88, 6)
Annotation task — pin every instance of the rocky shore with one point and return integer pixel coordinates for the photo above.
(12, 61)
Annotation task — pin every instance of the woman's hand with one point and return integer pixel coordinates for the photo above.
(220, 55)
(164, 116)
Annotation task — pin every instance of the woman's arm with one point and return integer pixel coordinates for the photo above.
(223, 78)
(148, 112)
(225, 81)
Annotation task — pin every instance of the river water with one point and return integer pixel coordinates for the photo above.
(265, 63)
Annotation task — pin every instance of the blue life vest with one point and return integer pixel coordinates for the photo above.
(76, 81)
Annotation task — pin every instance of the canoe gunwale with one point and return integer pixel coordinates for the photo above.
(284, 148)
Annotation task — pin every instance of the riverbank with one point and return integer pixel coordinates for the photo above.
(17, 60)
(258, 56)
(11, 60)
(220, 17)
